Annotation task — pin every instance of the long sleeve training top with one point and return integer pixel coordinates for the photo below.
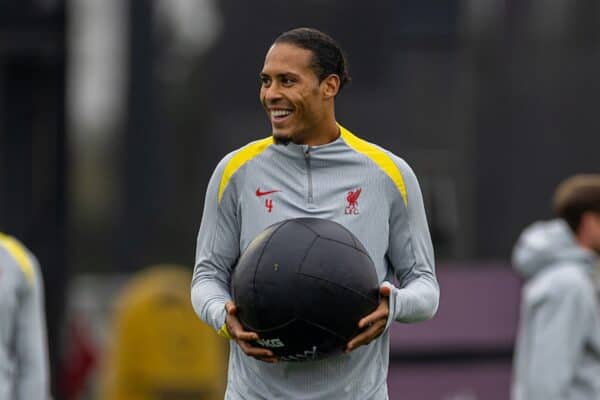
(557, 354)
(365, 188)
(24, 371)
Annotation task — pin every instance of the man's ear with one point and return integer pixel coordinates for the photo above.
(589, 217)
(330, 86)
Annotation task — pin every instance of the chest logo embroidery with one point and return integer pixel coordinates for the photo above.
(259, 193)
(268, 201)
(352, 199)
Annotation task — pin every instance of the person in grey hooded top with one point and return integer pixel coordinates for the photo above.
(312, 166)
(24, 373)
(557, 354)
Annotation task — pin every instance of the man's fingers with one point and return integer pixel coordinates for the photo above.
(365, 337)
(244, 340)
(230, 308)
(381, 312)
(257, 352)
(377, 315)
(357, 342)
(246, 336)
(235, 328)
(237, 332)
(385, 291)
(254, 351)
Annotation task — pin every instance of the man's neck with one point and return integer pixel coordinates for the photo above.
(326, 134)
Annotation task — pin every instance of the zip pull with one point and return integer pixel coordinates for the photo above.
(309, 197)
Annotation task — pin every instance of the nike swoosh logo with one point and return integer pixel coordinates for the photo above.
(259, 193)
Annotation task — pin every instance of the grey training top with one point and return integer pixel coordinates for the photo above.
(23, 348)
(557, 354)
(365, 188)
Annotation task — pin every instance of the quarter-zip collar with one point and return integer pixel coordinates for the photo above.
(299, 151)
(310, 159)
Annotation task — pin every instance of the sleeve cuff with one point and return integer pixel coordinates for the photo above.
(391, 304)
(224, 332)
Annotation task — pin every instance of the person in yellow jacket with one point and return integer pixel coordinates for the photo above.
(158, 348)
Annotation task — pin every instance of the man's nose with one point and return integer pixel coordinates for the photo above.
(272, 93)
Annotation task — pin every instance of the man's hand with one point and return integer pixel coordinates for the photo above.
(245, 338)
(373, 324)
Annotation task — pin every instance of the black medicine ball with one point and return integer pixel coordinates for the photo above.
(302, 285)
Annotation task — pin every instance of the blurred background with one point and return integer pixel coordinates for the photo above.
(113, 114)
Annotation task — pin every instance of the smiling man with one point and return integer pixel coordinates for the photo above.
(298, 93)
(312, 166)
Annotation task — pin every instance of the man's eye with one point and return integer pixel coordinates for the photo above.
(264, 80)
(287, 81)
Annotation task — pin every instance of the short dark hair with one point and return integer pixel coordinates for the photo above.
(575, 196)
(328, 57)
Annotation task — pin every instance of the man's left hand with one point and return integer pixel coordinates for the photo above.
(373, 324)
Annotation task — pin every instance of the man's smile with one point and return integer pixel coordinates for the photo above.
(279, 115)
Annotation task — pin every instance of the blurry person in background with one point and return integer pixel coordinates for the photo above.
(557, 354)
(157, 348)
(24, 371)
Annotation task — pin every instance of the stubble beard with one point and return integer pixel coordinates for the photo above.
(281, 139)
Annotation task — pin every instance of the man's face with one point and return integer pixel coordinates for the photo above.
(291, 94)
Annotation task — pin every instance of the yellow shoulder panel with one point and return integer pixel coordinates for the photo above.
(379, 157)
(245, 154)
(18, 252)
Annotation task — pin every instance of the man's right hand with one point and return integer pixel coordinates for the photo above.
(245, 338)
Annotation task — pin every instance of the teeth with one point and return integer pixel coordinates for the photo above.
(280, 113)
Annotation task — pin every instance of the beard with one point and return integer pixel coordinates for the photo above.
(281, 139)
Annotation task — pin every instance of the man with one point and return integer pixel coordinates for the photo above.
(23, 348)
(558, 345)
(312, 166)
